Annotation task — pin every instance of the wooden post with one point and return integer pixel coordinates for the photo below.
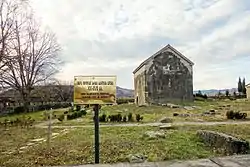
(97, 144)
(49, 129)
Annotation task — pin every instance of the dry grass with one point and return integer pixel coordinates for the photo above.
(117, 143)
(38, 116)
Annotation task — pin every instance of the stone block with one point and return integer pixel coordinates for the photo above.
(228, 144)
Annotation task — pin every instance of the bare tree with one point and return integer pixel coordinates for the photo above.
(64, 91)
(34, 54)
(8, 10)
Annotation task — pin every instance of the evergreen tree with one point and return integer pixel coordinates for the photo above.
(244, 90)
(239, 86)
(199, 92)
(219, 93)
(235, 94)
(227, 92)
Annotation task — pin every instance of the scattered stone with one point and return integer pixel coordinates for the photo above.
(137, 158)
(78, 119)
(163, 104)
(184, 115)
(197, 107)
(166, 127)
(210, 112)
(199, 120)
(166, 120)
(172, 105)
(30, 144)
(154, 135)
(55, 134)
(24, 147)
(229, 144)
(7, 152)
(37, 140)
(188, 108)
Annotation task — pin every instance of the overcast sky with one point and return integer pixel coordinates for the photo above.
(115, 36)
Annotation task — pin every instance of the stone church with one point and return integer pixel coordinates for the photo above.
(166, 76)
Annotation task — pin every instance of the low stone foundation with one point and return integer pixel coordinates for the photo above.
(226, 143)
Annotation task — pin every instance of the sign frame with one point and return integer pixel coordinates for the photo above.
(114, 79)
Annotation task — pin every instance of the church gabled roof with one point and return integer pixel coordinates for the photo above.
(161, 50)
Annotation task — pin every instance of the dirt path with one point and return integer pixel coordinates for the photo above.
(43, 125)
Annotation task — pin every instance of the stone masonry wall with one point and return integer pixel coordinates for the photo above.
(139, 85)
(227, 144)
(169, 78)
(248, 92)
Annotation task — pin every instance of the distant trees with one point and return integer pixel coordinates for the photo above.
(242, 86)
(227, 92)
(64, 90)
(199, 94)
(244, 90)
(29, 55)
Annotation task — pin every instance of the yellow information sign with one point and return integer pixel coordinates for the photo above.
(94, 89)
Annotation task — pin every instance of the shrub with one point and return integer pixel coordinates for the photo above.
(175, 114)
(102, 118)
(124, 100)
(77, 114)
(230, 114)
(124, 119)
(138, 117)
(83, 112)
(119, 117)
(130, 117)
(235, 115)
(19, 110)
(78, 108)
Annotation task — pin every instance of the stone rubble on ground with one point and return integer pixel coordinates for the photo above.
(229, 144)
(166, 120)
(33, 142)
(136, 158)
(170, 105)
(154, 134)
(166, 127)
(197, 107)
(188, 108)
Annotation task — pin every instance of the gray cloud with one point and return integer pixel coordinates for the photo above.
(113, 37)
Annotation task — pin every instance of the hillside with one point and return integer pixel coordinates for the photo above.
(213, 92)
(123, 92)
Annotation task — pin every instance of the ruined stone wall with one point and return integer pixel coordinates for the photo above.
(139, 85)
(224, 143)
(169, 78)
(248, 92)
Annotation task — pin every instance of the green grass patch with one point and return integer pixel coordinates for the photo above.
(155, 113)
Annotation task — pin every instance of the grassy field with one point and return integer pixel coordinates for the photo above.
(155, 113)
(117, 143)
(76, 147)
(13, 139)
